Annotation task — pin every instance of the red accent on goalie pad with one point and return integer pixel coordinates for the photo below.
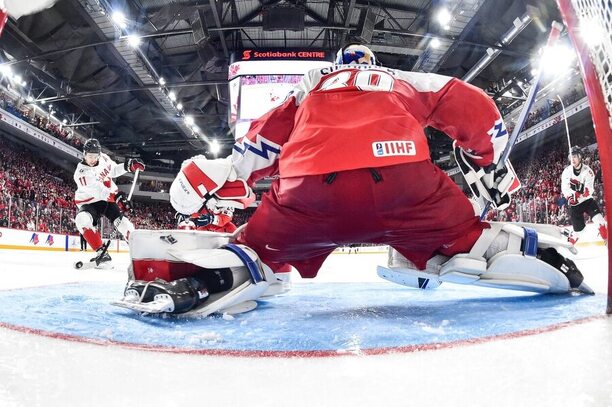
(197, 177)
(416, 208)
(149, 270)
(233, 190)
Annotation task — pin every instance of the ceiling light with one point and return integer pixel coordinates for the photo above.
(162, 81)
(65, 121)
(179, 106)
(435, 43)
(444, 17)
(6, 70)
(172, 96)
(119, 19)
(188, 120)
(591, 32)
(214, 147)
(133, 40)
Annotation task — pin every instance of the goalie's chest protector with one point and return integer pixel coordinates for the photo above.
(362, 120)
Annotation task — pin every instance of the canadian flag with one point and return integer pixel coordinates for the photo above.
(18, 8)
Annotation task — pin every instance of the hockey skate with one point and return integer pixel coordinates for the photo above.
(159, 296)
(101, 260)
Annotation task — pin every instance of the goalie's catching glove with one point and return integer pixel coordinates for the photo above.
(493, 184)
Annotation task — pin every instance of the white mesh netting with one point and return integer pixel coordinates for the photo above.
(595, 19)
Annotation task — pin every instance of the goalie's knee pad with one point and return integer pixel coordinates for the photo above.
(124, 226)
(83, 220)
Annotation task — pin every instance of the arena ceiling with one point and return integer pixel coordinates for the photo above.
(77, 57)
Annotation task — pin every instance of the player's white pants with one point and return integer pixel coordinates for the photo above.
(84, 220)
(124, 226)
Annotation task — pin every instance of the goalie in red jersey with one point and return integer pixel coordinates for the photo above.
(352, 165)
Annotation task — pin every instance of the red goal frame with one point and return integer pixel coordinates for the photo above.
(599, 111)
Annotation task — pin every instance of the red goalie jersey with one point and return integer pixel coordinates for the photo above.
(373, 117)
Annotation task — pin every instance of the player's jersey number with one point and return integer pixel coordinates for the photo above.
(377, 81)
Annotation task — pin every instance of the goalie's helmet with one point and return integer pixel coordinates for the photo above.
(355, 54)
(92, 146)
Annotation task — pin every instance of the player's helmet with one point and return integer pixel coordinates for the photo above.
(92, 146)
(576, 151)
(355, 54)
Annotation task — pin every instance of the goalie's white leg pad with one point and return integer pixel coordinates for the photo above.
(503, 257)
(508, 271)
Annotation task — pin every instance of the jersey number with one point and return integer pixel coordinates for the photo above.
(83, 181)
(362, 80)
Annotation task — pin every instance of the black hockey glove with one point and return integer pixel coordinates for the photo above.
(576, 186)
(134, 164)
(122, 202)
(204, 219)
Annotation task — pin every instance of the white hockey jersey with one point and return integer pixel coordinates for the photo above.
(577, 188)
(96, 183)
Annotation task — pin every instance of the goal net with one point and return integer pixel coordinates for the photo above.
(589, 25)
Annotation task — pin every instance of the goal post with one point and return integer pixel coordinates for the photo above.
(595, 58)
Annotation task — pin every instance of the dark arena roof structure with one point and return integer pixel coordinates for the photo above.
(129, 72)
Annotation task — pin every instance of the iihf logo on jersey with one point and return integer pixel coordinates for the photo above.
(393, 148)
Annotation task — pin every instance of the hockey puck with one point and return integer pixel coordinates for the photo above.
(78, 264)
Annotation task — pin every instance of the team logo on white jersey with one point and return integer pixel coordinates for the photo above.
(393, 148)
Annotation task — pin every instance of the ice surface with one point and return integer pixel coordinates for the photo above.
(570, 366)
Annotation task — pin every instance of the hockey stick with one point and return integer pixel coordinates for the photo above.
(569, 141)
(555, 32)
(133, 184)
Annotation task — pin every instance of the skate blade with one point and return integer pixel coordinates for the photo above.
(161, 303)
(584, 289)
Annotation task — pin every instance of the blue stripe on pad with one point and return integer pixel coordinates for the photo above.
(250, 264)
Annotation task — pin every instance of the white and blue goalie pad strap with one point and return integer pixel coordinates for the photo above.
(251, 265)
(530, 241)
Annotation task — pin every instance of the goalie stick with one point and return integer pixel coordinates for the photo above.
(555, 32)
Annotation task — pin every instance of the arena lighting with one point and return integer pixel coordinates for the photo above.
(172, 96)
(119, 19)
(592, 33)
(6, 70)
(188, 120)
(133, 40)
(179, 106)
(435, 43)
(64, 121)
(557, 59)
(162, 81)
(214, 147)
(443, 17)
(17, 78)
(29, 99)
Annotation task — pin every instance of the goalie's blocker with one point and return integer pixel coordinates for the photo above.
(494, 184)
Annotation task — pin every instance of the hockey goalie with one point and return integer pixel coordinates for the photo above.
(353, 166)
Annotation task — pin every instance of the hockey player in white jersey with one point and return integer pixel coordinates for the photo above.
(97, 196)
(577, 186)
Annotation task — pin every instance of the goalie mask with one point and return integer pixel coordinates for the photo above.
(355, 54)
